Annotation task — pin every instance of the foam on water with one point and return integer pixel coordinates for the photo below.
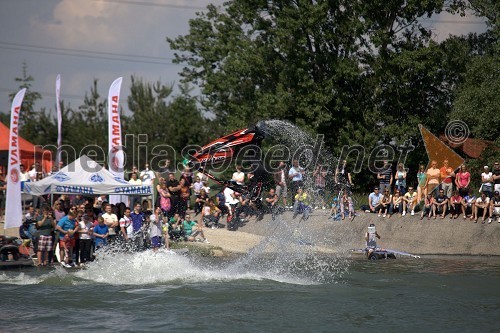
(19, 279)
(162, 267)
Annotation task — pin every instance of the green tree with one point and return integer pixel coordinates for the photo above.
(167, 120)
(321, 65)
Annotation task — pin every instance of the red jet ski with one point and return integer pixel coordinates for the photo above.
(224, 149)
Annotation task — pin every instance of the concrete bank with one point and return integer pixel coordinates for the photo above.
(409, 234)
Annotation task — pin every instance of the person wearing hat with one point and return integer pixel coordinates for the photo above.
(486, 179)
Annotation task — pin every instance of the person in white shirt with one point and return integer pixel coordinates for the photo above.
(111, 220)
(230, 199)
(85, 231)
(126, 227)
(147, 175)
(23, 176)
(486, 182)
(134, 180)
(481, 206)
(296, 174)
(239, 176)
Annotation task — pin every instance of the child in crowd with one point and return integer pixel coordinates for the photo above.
(101, 233)
(346, 204)
(335, 208)
(210, 214)
(302, 204)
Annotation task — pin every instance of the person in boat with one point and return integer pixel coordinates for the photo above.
(371, 239)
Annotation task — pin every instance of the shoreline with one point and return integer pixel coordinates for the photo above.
(409, 234)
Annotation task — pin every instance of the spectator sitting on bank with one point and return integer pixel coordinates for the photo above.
(346, 205)
(481, 207)
(301, 204)
(469, 200)
(201, 198)
(374, 200)
(211, 214)
(192, 229)
(495, 207)
(427, 209)
(396, 204)
(385, 203)
(409, 201)
(271, 203)
(175, 231)
(440, 204)
(456, 205)
(334, 212)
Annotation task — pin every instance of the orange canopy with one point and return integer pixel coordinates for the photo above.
(29, 152)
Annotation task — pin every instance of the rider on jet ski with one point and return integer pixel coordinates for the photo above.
(224, 149)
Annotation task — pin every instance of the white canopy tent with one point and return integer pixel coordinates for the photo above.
(86, 177)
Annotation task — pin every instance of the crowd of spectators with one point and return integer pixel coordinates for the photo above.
(440, 192)
(184, 204)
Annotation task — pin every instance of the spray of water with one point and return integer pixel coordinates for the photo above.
(292, 251)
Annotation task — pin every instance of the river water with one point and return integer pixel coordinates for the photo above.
(183, 293)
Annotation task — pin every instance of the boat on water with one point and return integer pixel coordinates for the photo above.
(13, 253)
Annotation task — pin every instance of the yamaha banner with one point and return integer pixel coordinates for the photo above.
(13, 204)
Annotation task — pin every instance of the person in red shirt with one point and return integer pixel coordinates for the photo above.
(447, 173)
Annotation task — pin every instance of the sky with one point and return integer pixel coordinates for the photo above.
(105, 39)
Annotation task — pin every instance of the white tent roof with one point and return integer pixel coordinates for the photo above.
(85, 176)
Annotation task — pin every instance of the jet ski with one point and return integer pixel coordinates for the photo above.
(13, 253)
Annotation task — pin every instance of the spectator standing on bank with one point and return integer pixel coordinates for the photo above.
(462, 181)
(486, 182)
(496, 176)
(400, 178)
(280, 181)
(446, 174)
(433, 178)
(296, 175)
(239, 175)
(174, 188)
(421, 180)
(385, 176)
(319, 176)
